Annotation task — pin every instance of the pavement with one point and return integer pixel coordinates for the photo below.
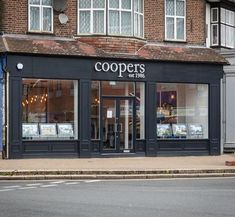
(117, 168)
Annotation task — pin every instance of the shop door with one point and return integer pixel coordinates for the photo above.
(118, 125)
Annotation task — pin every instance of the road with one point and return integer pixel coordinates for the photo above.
(137, 198)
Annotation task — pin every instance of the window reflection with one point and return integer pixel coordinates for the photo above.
(182, 111)
(49, 109)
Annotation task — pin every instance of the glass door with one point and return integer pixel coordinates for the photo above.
(117, 123)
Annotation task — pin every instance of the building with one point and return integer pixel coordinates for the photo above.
(111, 77)
(221, 29)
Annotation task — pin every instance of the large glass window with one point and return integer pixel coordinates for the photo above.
(226, 21)
(114, 17)
(140, 110)
(175, 19)
(40, 15)
(49, 109)
(95, 110)
(182, 111)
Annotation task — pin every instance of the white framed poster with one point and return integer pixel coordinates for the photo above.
(30, 130)
(65, 130)
(195, 130)
(164, 130)
(179, 130)
(48, 130)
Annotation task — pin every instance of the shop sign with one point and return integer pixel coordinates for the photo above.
(132, 70)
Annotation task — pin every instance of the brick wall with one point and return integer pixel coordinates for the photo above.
(15, 20)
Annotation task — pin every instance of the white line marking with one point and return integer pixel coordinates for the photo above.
(6, 190)
(47, 186)
(13, 186)
(57, 182)
(36, 184)
(71, 183)
(90, 181)
(25, 188)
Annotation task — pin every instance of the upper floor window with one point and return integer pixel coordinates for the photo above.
(40, 15)
(113, 17)
(175, 20)
(222, 27)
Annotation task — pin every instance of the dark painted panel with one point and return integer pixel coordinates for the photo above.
(35, 148)
(64, 148)
(183, 145)
(214, 114)
(85, 122)
(50, 146)
(95, 145)
(140, 146)
(151, 144)
(14, 127)
(83, 68)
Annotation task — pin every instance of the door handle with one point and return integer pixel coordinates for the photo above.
(115, 127)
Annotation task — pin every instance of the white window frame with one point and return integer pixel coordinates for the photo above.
(120, 10)
(106, 19)
(139, 14)
(227, 24)
(41, 8)
(91, 10)
(212, 25)
(217, 18)
(175, 23)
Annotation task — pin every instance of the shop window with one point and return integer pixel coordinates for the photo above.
(182, 111)
(140, 110)
(40, 16)
(175, 20)
(95, 110)
(47, 115)
(113, 17)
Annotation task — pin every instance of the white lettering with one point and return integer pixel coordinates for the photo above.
(133, 70)
(142, 68)
(114, 67)
(136, 68)
(96, 66)
(130, 68)
(122, 68)
(105, 67)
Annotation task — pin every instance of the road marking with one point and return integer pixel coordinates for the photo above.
(57, 182)
(91, 181)
(13, 186)
(47, 186)
(25, 188)
(36, 184)
(71, 183)
(6, 190)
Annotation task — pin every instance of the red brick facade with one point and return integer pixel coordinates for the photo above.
(15, 21)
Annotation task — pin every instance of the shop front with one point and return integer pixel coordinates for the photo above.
(91, 107)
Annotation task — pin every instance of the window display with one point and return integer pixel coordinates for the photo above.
(65, 130)
(51, 104)
(185, 108)
(30, 130)
(164, 130)
(48, 130)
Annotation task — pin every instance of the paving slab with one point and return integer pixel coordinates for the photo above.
(117, 168)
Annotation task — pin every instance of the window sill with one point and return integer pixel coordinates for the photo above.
(110, 36)
(175, 41)
(40, 33)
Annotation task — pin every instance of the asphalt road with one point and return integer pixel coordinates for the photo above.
(137, 198)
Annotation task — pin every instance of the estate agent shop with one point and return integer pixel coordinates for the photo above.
(90, 106)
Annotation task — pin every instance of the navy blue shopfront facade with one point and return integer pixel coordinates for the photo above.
(112, 125)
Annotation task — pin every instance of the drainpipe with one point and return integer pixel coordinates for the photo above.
(3, 107)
